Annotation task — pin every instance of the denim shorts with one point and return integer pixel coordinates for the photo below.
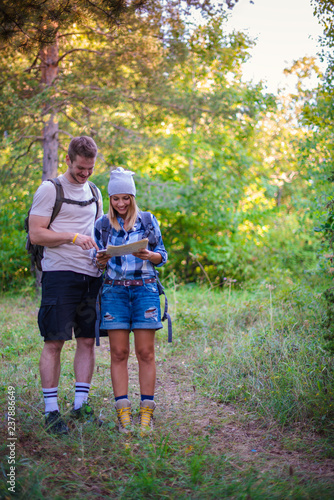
(68, 305)
(130, 307)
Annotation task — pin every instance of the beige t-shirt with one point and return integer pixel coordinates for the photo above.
(72, 219)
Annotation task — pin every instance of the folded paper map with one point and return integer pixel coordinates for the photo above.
(116, 251)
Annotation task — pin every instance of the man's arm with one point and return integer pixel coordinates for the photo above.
(41, 235)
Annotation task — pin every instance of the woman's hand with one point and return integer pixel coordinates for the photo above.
(102, 259)
(145, 254)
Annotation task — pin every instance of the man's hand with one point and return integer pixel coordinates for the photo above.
(85, 242)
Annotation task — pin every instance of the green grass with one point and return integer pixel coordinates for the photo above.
(264, 352)
(244, 404)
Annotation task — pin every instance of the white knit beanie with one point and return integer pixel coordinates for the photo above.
(121, 182)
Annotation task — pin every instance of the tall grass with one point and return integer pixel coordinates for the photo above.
(264, 350)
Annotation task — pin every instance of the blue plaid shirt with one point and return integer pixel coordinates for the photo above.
(128, 266)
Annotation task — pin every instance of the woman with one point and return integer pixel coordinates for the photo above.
(130, 298)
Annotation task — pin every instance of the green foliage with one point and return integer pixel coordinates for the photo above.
(318, 113)
(328, 321)
(15, 263)
(227, 169)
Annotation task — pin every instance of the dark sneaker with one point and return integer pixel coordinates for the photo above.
(54, 424)
(85, 414)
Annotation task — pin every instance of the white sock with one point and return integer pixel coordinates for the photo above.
(51, 399)
(81, 394)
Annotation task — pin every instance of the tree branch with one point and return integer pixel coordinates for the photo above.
(74, 33)
(78, 50)
(36, 138)
(26, 152)
(112, 16)
(70, 118)
(61, 131)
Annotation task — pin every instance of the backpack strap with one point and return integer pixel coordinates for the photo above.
(59, 198)
(95, 194)
(98, 330)
(105, 230)
(146, 218)
(166, 315)
(153, 239)
(56, 206)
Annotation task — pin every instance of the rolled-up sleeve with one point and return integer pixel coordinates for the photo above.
(160, 247)
(98, 233)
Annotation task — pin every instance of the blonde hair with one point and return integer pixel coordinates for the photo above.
(131, 215)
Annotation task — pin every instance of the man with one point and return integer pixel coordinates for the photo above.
(70, 279)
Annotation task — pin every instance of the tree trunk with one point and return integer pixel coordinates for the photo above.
(50, 147)
(49, 56)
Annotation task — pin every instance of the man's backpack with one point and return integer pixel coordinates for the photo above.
(36, 251)
(152, 241)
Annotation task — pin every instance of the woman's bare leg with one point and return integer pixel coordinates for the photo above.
(119, 355)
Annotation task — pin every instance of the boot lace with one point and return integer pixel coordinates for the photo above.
(124, 416)
(146, 416)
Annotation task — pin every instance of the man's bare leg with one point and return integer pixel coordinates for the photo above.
(49, 364)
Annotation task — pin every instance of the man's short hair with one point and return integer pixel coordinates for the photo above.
(82, 146)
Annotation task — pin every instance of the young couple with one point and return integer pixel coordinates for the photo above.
(71, 279)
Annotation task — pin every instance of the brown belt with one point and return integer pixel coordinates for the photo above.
(139, 282)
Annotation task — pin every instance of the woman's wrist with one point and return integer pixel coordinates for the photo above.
(155, 258)
(99, 265)
(151, 257)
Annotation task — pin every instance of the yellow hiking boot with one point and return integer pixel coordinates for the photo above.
(124, 415)
(145, 418)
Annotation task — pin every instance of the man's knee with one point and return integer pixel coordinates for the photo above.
(53, 347)
(85, 343)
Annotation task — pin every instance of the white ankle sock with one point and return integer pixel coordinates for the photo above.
(51, 399)
(81, 394)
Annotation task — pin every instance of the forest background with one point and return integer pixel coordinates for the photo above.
(237, 177)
